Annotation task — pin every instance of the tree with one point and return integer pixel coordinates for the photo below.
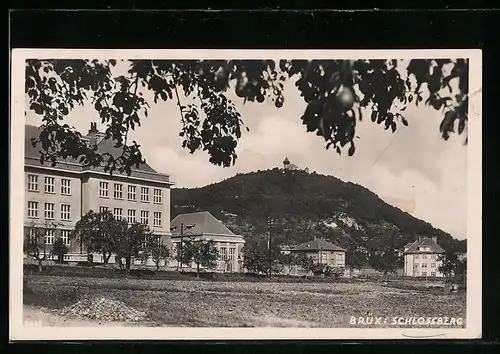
(157, 251)
(59, 249)
(355, 259)
(99, 232)
(336, 93)
(449, 263)
(201, 252)
(255, 260)
(132, 241)
(386, 262)
(35, 242)
(305, 262)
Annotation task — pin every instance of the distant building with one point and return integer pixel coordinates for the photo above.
(62, 194)
(421, 258)
(289, 166)
(203, 225)
(320, 250)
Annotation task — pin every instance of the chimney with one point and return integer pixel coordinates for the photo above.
(94, 135)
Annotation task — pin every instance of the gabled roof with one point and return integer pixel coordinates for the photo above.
(424, 242)
(286, 161)
(316, 245)
(32, 154)
(201, 223)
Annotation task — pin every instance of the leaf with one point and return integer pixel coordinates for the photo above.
(351, 150)
(405, 122)
(393, 126)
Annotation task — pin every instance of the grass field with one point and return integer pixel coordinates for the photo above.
(203, 303)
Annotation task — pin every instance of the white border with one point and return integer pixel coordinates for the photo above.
(474, 200)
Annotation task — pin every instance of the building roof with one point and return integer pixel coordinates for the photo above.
(201, 223)
(316, 245)
(286, 161)
(424, 242)
(32, 157)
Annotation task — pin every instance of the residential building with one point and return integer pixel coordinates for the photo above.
(63, 193)
(204, 226)
(421, 258)
(321, 251)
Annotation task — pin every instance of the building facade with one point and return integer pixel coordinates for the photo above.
(320, 251)
(62, 194)
(421, 258)
(203, 225)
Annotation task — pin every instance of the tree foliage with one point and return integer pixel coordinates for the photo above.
(157, 251)
(335, 91)
(203, 253)
(99, 232)
(387, 261)
(451, 265)
(59, 249)
(132, 242)
(35, 242)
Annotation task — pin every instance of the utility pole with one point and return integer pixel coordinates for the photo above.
(269, 226)
(179, 265)
(183, 227)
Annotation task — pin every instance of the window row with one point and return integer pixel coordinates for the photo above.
(131, 192)
(433, 274)
(132, 215)
(49, 184)
(49, 236)
(424, 265)
(424, 256)
(49, 211)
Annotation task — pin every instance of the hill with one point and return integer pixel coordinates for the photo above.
(303, 205)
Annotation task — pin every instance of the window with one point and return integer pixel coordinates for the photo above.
(416, 265)
(50, 184)
(424, 256)
(33, 183)
(49, 237)
(103, 209)
(32, 209)
(223, 253)
(118, 213)
(232, 252)
(144, 217)
(424, 274)
(118, 191)
(65, 236)
(424, 265)
(433, 265)
(416, 256)
(324, 257)
(49, 210)
(131, 193)
(131, 216)
(145, 194)
(32, 235)
(104, 189)
(65, 212)
(65, 186)
(157, 196)
(433, 274)
(157, 218)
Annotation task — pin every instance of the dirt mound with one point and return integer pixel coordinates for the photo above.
(101, 308)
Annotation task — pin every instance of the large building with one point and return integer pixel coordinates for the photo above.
(203, 225)
(62, 194)
(421, 258)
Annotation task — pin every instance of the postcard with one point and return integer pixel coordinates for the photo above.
(245, 194)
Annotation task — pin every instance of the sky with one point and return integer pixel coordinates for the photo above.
(413, 169)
